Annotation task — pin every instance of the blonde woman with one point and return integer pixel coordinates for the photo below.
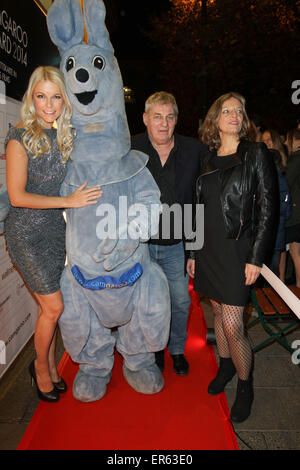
(36, 156)
(238, 187)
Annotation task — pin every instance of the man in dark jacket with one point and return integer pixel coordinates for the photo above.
(175, 162)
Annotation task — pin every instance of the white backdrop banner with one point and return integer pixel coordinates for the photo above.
(18, 311)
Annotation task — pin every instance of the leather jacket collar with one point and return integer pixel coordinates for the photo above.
(209, 166)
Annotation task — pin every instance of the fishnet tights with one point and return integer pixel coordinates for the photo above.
(230, 337)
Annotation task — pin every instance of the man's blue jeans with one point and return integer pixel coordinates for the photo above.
(171, 260)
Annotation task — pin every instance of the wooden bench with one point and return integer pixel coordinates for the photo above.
(274, 314)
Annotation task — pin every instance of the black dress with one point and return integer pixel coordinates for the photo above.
(36, 237)
(220, 264)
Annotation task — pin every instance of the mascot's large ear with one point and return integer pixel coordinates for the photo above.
(65, 24)
(94, 15)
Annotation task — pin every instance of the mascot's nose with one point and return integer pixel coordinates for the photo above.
(82, 75)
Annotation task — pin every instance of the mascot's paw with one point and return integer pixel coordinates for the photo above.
(148, 380)
(89, 388)
(113, 255)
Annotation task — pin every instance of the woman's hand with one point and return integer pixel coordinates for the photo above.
(251, 273)
(16, 178)
(190, 267)
(84, 197)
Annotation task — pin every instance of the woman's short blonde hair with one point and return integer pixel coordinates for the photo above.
(209, 131)
(161, 97)
(35, 139)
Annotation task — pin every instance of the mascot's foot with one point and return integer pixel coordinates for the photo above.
(89, 388)
(148, 380)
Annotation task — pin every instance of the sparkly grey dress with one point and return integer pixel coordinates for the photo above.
(36, 237)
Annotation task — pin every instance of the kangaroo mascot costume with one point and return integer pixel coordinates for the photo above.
(113, 294)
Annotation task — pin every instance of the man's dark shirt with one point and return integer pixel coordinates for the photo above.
(176, 179)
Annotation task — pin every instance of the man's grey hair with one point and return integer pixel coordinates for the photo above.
(161, 97)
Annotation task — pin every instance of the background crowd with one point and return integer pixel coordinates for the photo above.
(285, 149)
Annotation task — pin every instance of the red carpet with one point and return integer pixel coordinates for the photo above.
(181, 417)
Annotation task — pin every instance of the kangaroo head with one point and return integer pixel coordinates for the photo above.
(92, 75)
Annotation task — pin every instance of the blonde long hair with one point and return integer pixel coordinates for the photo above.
(209, 132)
(35, 139)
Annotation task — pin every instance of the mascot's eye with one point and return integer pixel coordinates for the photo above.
(99, 62)
(70, 63)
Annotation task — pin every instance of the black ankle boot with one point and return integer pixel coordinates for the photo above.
(225, 373)
(244, 397)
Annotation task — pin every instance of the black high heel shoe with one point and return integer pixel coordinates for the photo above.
(61, 386)
(51, 396)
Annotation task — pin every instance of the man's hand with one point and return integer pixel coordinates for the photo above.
(190, 267)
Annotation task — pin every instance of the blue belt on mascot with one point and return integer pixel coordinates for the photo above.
(108, 282)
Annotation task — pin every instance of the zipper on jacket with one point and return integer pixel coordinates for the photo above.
(240, 229)
(198, 181)
(198, 191)
(243, 196)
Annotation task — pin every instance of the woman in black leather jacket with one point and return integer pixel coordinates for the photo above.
(239, 189)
